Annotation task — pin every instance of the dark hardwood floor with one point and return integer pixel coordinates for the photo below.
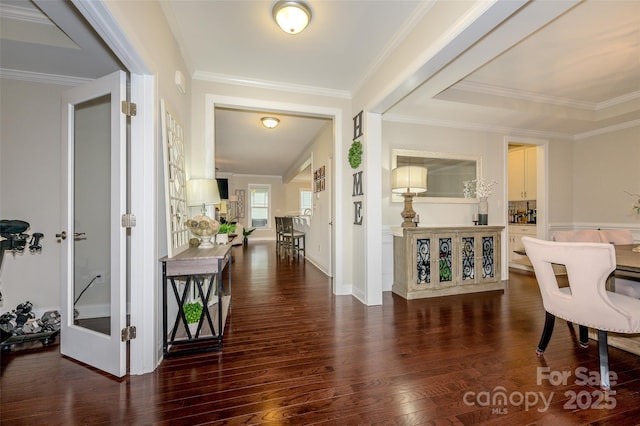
(296, 354)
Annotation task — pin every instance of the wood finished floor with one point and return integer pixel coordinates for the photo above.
(296, 354)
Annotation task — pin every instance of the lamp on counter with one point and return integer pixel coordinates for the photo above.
(203, 192)
(408, 181)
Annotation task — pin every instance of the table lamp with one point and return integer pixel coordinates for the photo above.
(203, 192)
(408, 181)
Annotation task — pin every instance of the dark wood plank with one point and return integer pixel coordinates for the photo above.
(295, 354)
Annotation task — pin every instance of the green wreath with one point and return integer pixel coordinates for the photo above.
(355, 154)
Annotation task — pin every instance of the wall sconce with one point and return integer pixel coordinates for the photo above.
(408, 181)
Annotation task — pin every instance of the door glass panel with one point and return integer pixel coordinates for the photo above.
(423, 260)
(92, 206)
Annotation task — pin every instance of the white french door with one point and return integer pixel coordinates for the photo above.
(94, 190)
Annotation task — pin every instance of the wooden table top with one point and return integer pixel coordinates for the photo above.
(217, 252)
(626, 259)
(197, 261)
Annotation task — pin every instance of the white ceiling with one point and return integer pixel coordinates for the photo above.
(571, 77)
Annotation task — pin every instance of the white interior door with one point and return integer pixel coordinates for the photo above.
(94, 199)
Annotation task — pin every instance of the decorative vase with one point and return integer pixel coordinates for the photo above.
(205, 228)
(222, 238)
(483, 211)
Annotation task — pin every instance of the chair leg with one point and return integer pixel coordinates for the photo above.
(549, 322)
(603, 352)
(584, 336)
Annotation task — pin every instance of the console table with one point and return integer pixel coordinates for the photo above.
(197, 273)
(443, 261)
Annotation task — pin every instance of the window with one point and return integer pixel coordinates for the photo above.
(306, 202)
(259, 206)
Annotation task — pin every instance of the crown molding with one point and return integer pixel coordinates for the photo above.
(25, 14)
(609, 129)
(477, 127)
(37, 77)
(242, 175)
(270, 85)
(618, 100)
(522, 95)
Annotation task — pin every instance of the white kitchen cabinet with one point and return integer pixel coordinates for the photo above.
(522, 174)
(516, 232)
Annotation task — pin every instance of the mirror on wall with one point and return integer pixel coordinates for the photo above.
(446, 173)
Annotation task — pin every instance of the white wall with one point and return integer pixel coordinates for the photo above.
(440, 139)
(30, 189)
(604, 167)
(560, 185)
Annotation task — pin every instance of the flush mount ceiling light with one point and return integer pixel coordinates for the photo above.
(270, 122)
(292, 16)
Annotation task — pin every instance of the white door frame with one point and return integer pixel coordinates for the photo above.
(542, 190)
(212, 101)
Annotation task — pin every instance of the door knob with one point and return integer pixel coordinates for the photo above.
(62, 235)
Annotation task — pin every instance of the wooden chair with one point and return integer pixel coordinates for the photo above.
(279, 235)
(291, 238)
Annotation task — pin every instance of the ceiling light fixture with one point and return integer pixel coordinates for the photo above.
(292, 16)
(270, 122)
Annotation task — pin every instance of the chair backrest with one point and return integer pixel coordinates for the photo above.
(287, 225)
(613, 236)
(616, 236)
(278, 225)
(585, 301)
(580, 236)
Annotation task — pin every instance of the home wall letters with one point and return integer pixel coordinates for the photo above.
(358, 214)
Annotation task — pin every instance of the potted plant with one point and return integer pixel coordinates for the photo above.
(224, 231)
(245, 235)
(192, 312)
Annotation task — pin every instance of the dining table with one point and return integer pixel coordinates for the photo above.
(627, 267)
(628, 260)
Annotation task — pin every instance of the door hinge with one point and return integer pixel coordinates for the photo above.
(129, 108)
(128, 220)
(128, 333)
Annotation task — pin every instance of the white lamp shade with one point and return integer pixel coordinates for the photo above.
(409, 179)
(292, 16)
(202, 191)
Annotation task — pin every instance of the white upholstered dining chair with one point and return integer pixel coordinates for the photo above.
(585, 301)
